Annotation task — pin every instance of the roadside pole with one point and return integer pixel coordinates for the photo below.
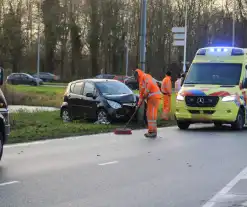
(143, 28)
(38, 45)
(233, 23)
(143, 35)
(185, 35)
(180, 36)
(126, 59)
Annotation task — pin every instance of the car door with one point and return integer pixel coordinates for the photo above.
(13, 79)
(26, 79)
(22, 79)
(17, 79)
(90, 100)
(74, 99)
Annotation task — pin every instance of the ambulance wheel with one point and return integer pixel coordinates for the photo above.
(240, 121)
(183, 125)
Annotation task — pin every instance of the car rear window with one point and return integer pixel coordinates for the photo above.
(77, 88)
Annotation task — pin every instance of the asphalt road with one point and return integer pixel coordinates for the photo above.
(179, 169)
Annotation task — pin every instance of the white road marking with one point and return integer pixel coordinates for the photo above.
(227, 188)
(108, 163)
(9, 183)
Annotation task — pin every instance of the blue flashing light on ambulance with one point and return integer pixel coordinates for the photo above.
(215, 89)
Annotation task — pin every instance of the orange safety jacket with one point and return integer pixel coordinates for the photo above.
(141, 84)
(166, 87)
(147, 86)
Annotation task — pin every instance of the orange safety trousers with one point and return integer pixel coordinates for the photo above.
(152, 113)
(166, 106)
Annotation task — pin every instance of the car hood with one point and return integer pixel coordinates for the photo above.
(209, 90)
(122, 98)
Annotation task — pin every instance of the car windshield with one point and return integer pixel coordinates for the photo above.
(113, 88)
(214, 73)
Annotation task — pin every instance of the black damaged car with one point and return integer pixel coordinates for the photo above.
(98, 99)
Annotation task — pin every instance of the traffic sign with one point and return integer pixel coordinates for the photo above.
(178, 29)
(178, 36)
(178, 43)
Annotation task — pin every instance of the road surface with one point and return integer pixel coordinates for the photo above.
(199, 167)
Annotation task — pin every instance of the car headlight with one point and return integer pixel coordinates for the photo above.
(229, 98)
(180, 97)
(114, 104)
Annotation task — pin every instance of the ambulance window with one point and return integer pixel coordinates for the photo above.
(246, 71)
(214, 74)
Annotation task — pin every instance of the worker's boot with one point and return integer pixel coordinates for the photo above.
(151, 135)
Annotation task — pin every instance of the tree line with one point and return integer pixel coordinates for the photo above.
(79, 38)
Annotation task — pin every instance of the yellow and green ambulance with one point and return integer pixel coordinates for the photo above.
(215, 89)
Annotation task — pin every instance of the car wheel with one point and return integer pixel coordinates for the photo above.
(217, 124)
(183, 125)
(240, 121)
(65, 115)
(102, 116)
(34, 84)
(1, 146)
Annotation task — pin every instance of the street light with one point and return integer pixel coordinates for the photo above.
(185, 35)
(233, 23)
(126, 58)
(38, 44)
(143, 28)
(143, 32)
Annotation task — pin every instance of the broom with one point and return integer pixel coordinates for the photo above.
(126, 130)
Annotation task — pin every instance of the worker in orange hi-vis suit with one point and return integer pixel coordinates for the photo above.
(150, 91)
(166, 89)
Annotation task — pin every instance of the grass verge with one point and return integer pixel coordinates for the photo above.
(35, 126)
(33, 95)
(26, 127)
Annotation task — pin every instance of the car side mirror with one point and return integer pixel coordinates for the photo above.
(1, 76)
(89, 95)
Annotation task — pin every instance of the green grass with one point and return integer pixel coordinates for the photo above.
(26, 127)
(40, 90)
(33, 95)
(46, 125)
(55, 83)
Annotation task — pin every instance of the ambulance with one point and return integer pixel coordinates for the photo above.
(215, 89)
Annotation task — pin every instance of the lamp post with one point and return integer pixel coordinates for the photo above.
(126, 58)
(233, 23)
(38, 44)
(143, 34)
(185, 34)
(143, 29)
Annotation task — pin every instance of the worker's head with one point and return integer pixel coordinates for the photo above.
(137, 74)
(168, 73)
(179, 75)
